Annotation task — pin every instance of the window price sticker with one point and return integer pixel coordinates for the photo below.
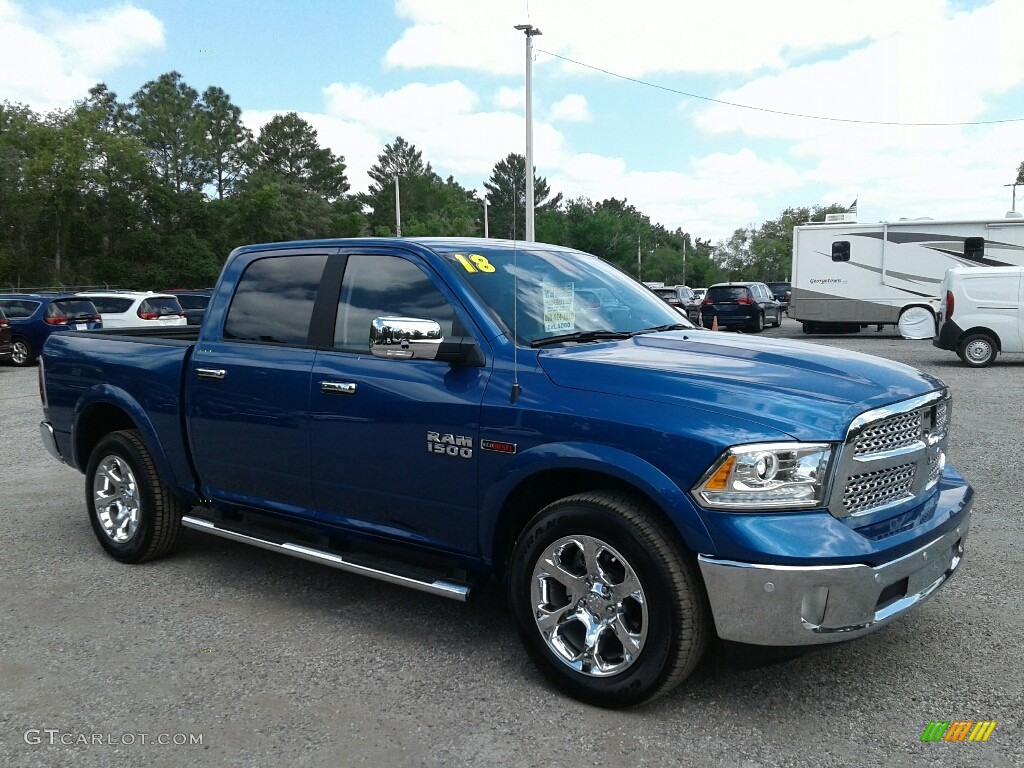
(559, 313)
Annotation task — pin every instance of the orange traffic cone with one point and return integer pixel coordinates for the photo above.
(714, 323)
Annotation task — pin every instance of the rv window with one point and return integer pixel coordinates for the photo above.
(974, 248)
(841, 250)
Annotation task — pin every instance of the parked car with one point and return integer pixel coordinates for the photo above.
(6, 347)
(137, 309)
(34, 316)
(781, 291)
(681, 297)
(193, 301)
(740, 305)
(982, 314)
(698, 293)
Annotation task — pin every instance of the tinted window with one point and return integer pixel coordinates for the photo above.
(274, 300)
(666, 293)
(19, 308)
(382, 286)
(727, 293)
(193, 300)
(841, 250)
(161, 305)
(76, 309)
(974, 248)
(112, 305)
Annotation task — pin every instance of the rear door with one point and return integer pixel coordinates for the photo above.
(248, 387)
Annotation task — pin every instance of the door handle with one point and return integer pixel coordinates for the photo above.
(211, 373)
(338, 387)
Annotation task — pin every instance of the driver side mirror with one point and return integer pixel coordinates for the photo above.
(413, 338)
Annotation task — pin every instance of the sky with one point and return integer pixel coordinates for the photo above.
(629, 100)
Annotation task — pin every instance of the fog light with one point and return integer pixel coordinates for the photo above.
(812, 607)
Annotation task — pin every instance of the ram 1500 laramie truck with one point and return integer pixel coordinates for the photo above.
(440, 412)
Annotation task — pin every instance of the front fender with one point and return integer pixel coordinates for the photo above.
(613, 462)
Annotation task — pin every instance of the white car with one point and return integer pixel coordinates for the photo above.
(137, 309)
(982, 315)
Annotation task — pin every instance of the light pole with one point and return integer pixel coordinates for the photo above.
(398, 210)
(530, 31)
(1014, 185)
(485, 217)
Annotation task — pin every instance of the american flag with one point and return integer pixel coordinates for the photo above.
(852, 208)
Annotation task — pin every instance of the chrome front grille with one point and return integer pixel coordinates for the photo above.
(889, 434)
(871, 490)
(891, 455)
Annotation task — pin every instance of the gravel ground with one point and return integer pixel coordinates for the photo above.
(271, 661)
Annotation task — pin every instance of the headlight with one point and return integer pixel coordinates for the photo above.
(767, 476)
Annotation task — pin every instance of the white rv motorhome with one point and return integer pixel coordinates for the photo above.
(849, 275)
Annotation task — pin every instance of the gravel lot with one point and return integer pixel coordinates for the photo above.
(273, 661)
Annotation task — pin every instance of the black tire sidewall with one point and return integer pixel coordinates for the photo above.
(134, 549)
(576, 518)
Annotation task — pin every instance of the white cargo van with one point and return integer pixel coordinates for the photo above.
(982, 313)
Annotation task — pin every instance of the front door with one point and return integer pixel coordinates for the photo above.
(394, 442)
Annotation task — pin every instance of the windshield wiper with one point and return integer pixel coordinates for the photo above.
(669, 327)
(581, 336)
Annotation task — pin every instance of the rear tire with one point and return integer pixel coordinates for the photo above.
(606, 602)
(978, 350)
(758, 323)
(22, 354)
(134, 516)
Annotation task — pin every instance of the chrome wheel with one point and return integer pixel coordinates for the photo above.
(20, 354)
(589, 606)
(115, 496)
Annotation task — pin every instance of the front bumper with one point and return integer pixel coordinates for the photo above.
(50, 441)
(811, 605)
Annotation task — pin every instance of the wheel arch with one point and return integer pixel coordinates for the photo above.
(985, 332)
(108, 409)
(511, 503)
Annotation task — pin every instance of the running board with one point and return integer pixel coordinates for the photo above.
(439, 587)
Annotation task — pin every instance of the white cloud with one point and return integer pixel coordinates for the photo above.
(510, 99)
(571, 109)
(656, 36)
(49, 59)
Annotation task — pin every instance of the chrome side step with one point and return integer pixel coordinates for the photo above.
(439, 587)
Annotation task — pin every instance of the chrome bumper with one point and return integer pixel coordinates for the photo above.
(809, 605)
(50, 441)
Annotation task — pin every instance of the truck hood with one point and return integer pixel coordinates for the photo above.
(806, 391)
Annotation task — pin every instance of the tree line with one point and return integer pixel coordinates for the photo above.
(155, 191)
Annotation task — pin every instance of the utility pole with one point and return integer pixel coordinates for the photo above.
(485, 217)
(530, 31)
(398, 210)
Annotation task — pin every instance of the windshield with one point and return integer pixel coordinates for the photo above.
(559, 292)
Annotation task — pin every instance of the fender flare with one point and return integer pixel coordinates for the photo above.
(674, 502)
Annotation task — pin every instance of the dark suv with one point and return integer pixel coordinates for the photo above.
(781, 291)
(740, 305)
(193, 301)
(34, 316)
(6, 348)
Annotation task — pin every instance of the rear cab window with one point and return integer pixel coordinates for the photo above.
(273, 303)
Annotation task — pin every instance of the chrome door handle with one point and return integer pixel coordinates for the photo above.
(211, 373)
(338, 387)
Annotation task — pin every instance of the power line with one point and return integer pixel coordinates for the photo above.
(774, 111)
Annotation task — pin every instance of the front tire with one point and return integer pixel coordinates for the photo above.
(778, 319)
(978, 350)
(605, 600)
(132, 513)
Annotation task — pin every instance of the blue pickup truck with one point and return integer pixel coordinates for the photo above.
(438, 413)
